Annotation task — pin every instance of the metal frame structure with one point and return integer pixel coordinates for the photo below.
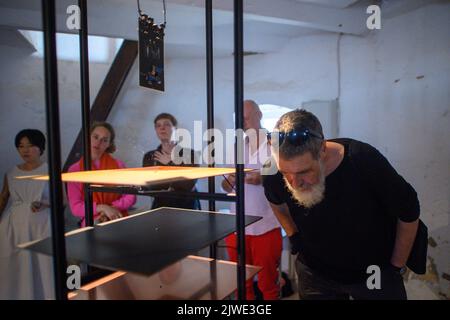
(239, 119)
(86, 108)
(54, 148)
(164, 193)
(210, 100)
(52, 119)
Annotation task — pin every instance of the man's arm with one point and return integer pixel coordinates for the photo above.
(404, 240)
(253, 177)
(250, 178)
(228, 183)
(281, 211)
(397, 196)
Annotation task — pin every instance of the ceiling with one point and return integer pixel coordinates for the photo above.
(268, 24)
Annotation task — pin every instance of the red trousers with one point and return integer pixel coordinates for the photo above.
(265, 251)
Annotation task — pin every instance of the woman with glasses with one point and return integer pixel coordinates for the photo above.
(106, 206)
(25, 275)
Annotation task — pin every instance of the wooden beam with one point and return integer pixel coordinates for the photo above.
(107, 94)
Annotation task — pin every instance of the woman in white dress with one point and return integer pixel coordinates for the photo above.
(25, 275)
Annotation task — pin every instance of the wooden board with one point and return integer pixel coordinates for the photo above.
(190, 278)
(139, 176)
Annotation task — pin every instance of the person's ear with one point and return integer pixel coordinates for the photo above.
(323, 149)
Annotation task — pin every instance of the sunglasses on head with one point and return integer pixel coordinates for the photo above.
(295, 137)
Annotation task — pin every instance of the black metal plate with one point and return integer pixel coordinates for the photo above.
(149, 242)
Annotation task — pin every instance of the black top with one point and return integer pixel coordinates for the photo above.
(184, 185)
(354, 226)
(148, 242)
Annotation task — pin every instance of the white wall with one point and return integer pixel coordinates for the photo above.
(407, 120)
(314, 76)
(22, 99)
(395, 95)
(305, 69)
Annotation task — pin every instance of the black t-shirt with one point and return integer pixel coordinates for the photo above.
(184, 185)
(354, 226)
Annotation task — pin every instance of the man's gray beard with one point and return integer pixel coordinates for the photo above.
(310, 198)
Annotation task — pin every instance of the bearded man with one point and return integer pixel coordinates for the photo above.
(350, 217)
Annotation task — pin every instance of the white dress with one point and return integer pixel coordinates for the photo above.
(25, 275)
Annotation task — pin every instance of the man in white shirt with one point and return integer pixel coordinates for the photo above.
(263, 239)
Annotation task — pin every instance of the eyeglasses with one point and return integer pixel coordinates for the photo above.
(295, 137)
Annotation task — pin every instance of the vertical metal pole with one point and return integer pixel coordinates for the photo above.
(210, 103)
(85, 109)
(54, 149)
(238, 102)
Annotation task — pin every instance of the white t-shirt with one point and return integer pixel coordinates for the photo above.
(255, 201)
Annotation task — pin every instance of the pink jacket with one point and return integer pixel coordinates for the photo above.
(76, 200)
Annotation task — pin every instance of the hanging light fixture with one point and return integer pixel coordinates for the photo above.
(151, 51)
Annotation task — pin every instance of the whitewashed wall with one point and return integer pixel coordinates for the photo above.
(22, 99)
(305, 69)
(392, 91)
(395, 95)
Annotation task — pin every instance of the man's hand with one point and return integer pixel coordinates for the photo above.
(250, 178)
(229, 183)
(253, 177)
(163, 157)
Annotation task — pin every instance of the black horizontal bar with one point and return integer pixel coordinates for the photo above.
(163, 193)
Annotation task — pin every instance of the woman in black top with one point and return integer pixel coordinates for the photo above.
(165, 125)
